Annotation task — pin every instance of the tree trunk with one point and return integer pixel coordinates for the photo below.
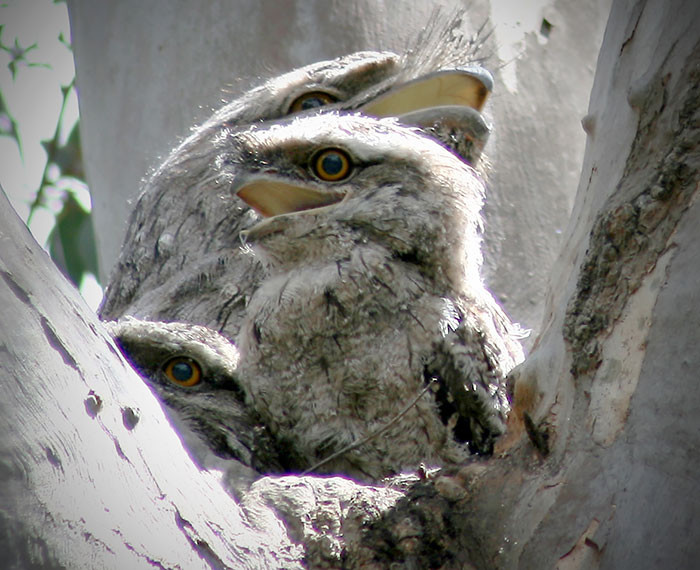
(599, 464)
(612, 380)
(93, 474)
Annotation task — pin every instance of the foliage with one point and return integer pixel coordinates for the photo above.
(71, 242)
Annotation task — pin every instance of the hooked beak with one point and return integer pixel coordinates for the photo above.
(465, 87)
(448, 101)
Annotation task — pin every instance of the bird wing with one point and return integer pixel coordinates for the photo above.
(470, 364)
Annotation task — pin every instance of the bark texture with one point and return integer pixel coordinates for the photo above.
(597, 470)
(93, 474)
(609, 382)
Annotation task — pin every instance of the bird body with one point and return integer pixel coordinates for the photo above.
(368, 296)
(349, 307)
(334, 352)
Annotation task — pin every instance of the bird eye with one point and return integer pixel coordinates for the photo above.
(332, 165)
(311, 100)
(183, 371)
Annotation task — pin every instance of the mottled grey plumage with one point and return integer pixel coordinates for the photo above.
(181, 258)
(372, 291)
(182, 261)
(210, 413)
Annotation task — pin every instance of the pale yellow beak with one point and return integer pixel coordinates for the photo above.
(451, 97)
(272, 197)
(468, 87)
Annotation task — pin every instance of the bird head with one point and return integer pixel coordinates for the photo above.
(378, 84)
(439, 69)
(184, 230)
(327, 182)
(192, 369)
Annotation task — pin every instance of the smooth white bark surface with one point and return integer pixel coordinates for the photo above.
(93, 474)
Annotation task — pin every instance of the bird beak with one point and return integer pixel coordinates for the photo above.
(261, 230)
(468, 122)
(270, 197)
(465, 87)
(276, 223)
(447, 102)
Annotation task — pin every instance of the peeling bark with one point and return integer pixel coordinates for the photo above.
(589, 379)
(635, 224)
(610, 387)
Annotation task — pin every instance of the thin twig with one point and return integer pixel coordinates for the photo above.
(382, 429)
(50, 153)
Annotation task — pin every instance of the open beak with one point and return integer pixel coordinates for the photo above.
(446, 102)
(467, 87)
(270, 197)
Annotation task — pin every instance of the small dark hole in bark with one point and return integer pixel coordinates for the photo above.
(130, 418)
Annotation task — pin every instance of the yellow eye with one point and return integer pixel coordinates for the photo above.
(332, 165)
(183, 371)
(311, 100)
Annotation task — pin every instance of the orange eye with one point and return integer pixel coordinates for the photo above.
(332, 165)
(311, 100)
(183, 371)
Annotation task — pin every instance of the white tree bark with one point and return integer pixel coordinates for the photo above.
(613, 377)
(148, 71)
(599, 465)
(93, 474)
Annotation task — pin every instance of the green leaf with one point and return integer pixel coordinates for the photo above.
(72, 241)
(8, 125)
(69, 157)
(18, 57)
